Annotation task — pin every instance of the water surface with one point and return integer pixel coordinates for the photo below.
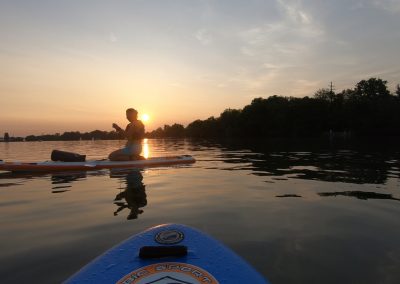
(299, 213)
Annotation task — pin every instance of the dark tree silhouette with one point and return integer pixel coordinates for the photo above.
(76, 135)
(367, 110)
(325, 94)
(175, 130)
(372, 88)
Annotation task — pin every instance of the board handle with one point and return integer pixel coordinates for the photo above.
(147, 252)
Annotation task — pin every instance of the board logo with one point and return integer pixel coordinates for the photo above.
(169, 237)
(167, 273)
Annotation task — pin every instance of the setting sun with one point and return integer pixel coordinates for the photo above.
(145, 117)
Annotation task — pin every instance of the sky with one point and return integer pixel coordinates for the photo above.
(77, 65)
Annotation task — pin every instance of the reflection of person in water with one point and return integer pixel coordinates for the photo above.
(133, 197)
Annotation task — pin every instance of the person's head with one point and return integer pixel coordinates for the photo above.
(131, 114)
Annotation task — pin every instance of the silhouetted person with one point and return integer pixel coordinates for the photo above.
(134, 133)
(133, 197)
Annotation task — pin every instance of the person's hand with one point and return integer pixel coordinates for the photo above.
(114, 125)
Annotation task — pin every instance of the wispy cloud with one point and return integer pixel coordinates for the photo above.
(276, 50)
(112, 37)
(293, 11)
(291, 34)
(297, 18)
(203, 36)
(392, 6)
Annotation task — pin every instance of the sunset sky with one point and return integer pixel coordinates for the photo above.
(77, 65)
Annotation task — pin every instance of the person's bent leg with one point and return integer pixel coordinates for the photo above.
(137, 157)
(119, 155)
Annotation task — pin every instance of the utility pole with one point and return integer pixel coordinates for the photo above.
(331, 87)
(331, 93)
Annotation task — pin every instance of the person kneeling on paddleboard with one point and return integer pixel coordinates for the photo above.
(134, 133)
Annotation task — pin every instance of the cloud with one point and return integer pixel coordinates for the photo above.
(112, 37)
(203, 36)
(278, 51)
(297, 19)
(392, 6)
(293, 11)
(291, 34)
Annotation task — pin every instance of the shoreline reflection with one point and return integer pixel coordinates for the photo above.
(307, 161)
(363, 195)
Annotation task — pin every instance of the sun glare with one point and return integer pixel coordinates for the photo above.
(146, 151)
(145, 117)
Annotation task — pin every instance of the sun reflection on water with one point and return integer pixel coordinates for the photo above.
(146, 150)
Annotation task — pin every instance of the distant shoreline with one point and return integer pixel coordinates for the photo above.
(368, 110)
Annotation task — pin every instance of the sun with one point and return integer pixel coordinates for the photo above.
(145, 117)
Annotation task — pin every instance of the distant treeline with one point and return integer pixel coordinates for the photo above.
(8, 138)
(76, 135)
(369, 109)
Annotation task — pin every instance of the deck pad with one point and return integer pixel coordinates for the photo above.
(207, 261)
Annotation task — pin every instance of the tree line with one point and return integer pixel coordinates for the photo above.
(369, 109)
(8, 138)
(76, 135)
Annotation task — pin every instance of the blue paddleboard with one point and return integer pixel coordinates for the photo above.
(168, 254)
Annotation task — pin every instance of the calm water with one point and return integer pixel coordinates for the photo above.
(297, 213)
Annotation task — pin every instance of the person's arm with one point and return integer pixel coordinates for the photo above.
(119, 129)
(116, 127)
